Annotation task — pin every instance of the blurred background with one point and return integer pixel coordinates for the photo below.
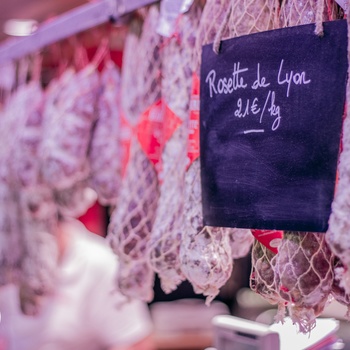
(34, 10)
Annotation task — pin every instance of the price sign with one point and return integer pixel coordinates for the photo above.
(271, 107)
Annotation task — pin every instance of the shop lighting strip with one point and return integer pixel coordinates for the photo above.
(72, 22)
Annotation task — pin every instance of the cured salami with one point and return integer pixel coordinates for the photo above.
(298, 12)
(228, 17)
(25, 163)
(11, 241)
(338, 291)
(105, 150)
(133, 217)
(264, 279)
(305, 273)
(39, 230)
(68, 128)
(176, 90)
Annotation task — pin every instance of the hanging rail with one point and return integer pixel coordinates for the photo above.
(72, 22)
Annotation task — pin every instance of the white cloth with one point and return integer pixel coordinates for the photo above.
(85, 313)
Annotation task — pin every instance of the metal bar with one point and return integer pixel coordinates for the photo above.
(74, 21)
(127, 6)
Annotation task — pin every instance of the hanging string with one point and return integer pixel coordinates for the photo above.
(174, 36)
(101, 52)
(36, 68)
(107, 35)
(107, 57)
(80, 58)
(83, 56)
(220, 32)
(319, 17)
(23, 71)
(57, 53)
(276, 17)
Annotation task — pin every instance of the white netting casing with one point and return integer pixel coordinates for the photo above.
(132, 220)
(263, 277)
(298, 12)
(252, 16)
(176, 90)
(130, 78)
(338, 291)
(25, 163)
(213, 15)
(11, 243)
(74, 201)
(53, 92)
(301, 273)
(337, 235)
(29, 215)
(242, 18)
(206, 260)
(10, 133)
(206, 270)
(105, 152)
(39, 229)
(305, 273)
(67, 130)
(136, 280)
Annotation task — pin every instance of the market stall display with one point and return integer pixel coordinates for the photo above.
(130, 139)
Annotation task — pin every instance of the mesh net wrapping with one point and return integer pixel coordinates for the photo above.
(300, 275)
(166, 236)
(251, 16)
(176, 90)
(339, 223)
(130, 78)
(337, 235)
(10, 133)
(298, 12)
(38, 214)
(11, 244)
(245, 17)
(132, 220)
(338, 291)
(199, 267)
(206, 260)
(104, 152)
(263, 277)
(213, 15)
(28, 216)
(136, 280)
(25, 163)
(305, 272)
(67, 129)
(74, 201)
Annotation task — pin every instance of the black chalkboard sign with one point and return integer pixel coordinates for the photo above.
(271, 107)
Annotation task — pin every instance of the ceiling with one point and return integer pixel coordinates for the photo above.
(39, 10)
